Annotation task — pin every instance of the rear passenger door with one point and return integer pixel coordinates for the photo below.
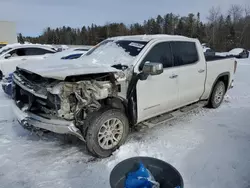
(192, 71)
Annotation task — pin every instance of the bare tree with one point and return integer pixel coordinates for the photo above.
(213, 19)
(214, 13)
(235, 12)
(247, 11)
(246, 22)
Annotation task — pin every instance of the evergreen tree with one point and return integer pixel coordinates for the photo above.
(221, 32)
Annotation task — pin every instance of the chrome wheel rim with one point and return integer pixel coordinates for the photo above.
(110, 133)
(219, 94)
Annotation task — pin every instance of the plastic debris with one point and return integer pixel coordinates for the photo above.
(142, 178)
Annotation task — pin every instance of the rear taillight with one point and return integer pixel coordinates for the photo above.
(235, 66)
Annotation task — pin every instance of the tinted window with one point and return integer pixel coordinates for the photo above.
(17, 52)
(184, 53)
(36, 51)
(74, 56)
(81, 50)
(160, 53)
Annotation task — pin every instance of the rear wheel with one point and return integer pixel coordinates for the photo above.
(107, 130)
(217, 95)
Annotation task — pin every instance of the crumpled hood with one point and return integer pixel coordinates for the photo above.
(60, 69)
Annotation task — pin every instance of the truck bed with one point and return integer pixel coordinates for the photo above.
(217, 57)
(215, 68)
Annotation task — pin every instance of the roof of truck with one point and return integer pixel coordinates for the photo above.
(147, 38)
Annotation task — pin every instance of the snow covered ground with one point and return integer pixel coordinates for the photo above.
(210, 148)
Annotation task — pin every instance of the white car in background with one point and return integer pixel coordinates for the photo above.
(15, 54)
(71, 53)
(239, 53)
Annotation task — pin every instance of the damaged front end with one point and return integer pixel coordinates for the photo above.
(63, 106)
(75, 99)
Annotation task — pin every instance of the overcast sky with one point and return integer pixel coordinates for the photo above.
(32, 16)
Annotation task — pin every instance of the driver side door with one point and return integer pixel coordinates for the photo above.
(159, 93)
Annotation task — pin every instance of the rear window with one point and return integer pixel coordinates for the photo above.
(184, 53)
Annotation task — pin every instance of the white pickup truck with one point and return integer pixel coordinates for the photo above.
(120, 83)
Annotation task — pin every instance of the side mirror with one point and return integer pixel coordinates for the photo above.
(7, 56)
(152, 68)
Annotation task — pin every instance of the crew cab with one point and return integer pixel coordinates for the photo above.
(120, 83)
(13, 54)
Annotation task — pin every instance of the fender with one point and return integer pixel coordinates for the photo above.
(216, 80)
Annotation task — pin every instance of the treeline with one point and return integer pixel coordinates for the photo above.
(221, 32)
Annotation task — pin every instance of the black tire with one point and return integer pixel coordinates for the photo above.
(1, 75)
(95, 123)
(215, 99)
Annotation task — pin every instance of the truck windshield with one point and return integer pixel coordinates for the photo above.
(115, 52)
(133, 48)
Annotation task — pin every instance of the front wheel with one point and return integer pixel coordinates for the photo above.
(107, 130)
(218, 94)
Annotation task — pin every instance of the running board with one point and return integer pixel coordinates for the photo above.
(170, 115)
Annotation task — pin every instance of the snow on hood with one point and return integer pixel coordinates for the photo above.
(60, 69)
(235, 51)
(98, 60)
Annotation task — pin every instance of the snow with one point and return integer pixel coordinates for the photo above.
(210, 148)
(147, 38)
(205, 49)
(25, 45)
(109, 54)
(222, 53)
(60, 69)
(236, 51)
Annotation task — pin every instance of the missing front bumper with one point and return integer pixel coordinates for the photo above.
(53, 125)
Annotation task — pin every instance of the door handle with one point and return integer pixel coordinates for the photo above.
(173, 76)
(201, 70)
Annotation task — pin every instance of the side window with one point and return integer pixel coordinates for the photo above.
(160, 53)
(17, 52)
(184, 53)
(36, 51)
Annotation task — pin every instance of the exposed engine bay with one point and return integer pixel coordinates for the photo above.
(71, 99)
